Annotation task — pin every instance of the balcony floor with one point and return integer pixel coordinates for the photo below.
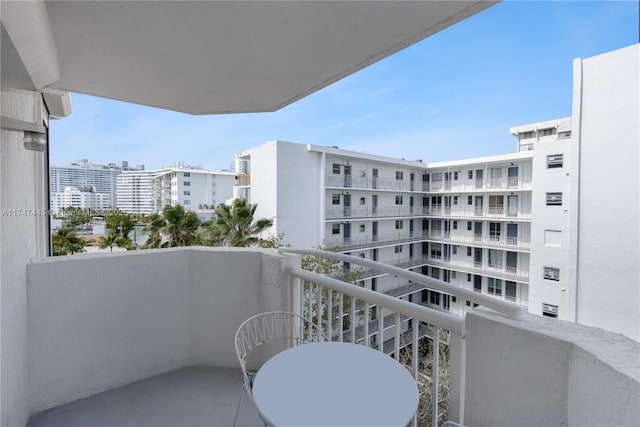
(191, 396)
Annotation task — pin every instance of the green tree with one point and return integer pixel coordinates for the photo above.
(237, 225)
(335, 270)
(120, 223)
(73, 217)
(112, 239)
(175, 227)
(66, 242)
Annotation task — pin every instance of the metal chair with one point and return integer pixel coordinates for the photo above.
(280, 328)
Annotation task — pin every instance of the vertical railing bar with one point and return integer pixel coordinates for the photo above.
(380, 329)
(310, 306)
(396, 340)
(329, 312)
(352, 315)
(435, 375)
(341, 314)
(366, 323)
(416, 331)
(319, 307)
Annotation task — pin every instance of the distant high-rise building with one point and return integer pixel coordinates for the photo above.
(135, 191)
(80, 174)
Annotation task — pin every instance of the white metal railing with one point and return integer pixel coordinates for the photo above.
(359, 242)
(371, 183)
(372, 211)
(347, 312)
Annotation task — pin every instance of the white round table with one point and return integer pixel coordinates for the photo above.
(334, 384)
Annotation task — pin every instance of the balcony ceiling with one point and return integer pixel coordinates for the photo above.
(207, 57)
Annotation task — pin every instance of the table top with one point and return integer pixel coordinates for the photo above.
(334, 384)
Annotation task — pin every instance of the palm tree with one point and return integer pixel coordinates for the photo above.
(174, 227)
(65, 241)
(237, 226)
(113, 239)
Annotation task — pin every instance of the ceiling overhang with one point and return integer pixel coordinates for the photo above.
(209, 57)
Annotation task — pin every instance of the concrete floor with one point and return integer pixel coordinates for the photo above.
(192, 396)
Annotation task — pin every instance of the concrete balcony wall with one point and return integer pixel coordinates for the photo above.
(541, 371)
(101, 321)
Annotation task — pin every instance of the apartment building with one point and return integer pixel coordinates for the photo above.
(135, 191)
(539, 227)
(84, 197)
(195, 189)
(466, 222)
(80, 174)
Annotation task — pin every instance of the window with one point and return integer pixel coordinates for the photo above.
(455, 225)
(362, 228)
(187, 193)
(453, 276)
(434, 298)
(477, 283)
(527, 135)
(399, 175)
(336, 169)
(362, 200)
(564, 134)
(494, 231)
(399, 224)
(335, 229)
(335, 199)
(398, 249)
(470, 174)
(547, 132)
(510, 291)
(469, 228)
(468, 277)
(468, 303)
(454, 250)
(554, 161)
(552, 273)
(187, 184)
(398, 200)
(187, 174)
(469, 251)
(455, 175)
(455, 200)
(186, 202)
(554, 199)
(494, 286)
(549, 310)
(469, 200)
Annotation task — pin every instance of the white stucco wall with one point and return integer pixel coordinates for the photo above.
(541, 371)
(606, 117)
(555, 220)
(22, 236)
(98, 321)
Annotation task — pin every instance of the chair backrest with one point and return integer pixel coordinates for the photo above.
(281, 327)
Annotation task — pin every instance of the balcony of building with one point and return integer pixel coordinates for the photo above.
(347, 244)
(364, 212)
(146, 338)
(370, 183)
(512, 183)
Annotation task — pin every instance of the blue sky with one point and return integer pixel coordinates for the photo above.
(452, 96)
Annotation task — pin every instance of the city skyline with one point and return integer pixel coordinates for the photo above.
(511, 66)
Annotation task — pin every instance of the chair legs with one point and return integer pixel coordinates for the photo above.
(235, 420)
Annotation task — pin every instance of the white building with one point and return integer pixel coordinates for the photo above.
(83, 173)
(195, 189)
(538, 227)
(84, 197)
(135, 191)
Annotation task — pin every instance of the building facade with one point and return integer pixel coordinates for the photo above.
(84, 197)
(80, 174)
(537, 227)
(195, 189)
(135, 191)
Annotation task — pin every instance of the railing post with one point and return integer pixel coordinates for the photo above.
(457, 357)
(435, 373)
